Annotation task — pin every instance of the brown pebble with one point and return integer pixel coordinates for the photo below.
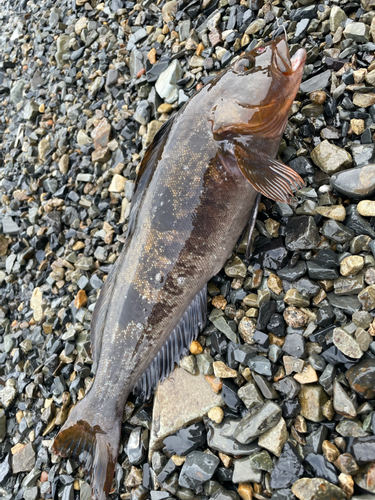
(220, 302)
(215, 383)
(245, 490)
(80, 300)
(279, 341)
(307, 376)
(195, 347)
(346, 483)
(44, 477)
(141, 72)
(294, 317)
(318, 97)
(330, 451)
(226, 459)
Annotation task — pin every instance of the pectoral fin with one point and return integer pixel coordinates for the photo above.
(268, 176)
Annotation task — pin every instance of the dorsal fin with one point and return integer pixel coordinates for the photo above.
(191, 324)
(146, 171)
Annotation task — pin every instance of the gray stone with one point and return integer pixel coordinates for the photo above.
(24, 460)
(220, 438)
(250, 394)
(9, 226)
(317, 82)
(346, 343)
(336, 231)
(62, 49)
(31, 110)
(17, 91)
(257, 422)
(242, 471)
(142, 114)
(198, 468)
(301, 233)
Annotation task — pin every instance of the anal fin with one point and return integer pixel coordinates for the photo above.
(191, 324)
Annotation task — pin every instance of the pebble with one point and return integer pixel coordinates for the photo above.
(361, 378)
(312, 398)
(198, 468)
(255, 424)
(221, 370)
(366, 208)
(335, 212)
(306, 489)
(351, 265)
(274, 439)
(216, 414)
(288, 468)
(330, 158)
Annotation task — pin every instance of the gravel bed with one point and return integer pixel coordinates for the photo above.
(276, 398)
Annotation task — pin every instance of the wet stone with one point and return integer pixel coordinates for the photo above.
(186, 440)
(135, 449)
(294, 345)
(357, 183)
(288, 468)
(350, 428)
(361, 378)
(321, 467)
(243, 471)
(301, 233)
(346, 343)
(364, 449)
(250, 394)
(198, 468)
(220, 438)
(257, 422)
(288, 387)
(342, 404)
(337, 231)
(330, 158)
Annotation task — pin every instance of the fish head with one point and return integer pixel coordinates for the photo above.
(257, 91)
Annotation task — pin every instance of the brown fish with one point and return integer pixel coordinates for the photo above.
(198, 186)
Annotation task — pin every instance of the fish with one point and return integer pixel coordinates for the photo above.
(198, 188)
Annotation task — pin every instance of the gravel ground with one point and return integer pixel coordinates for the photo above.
(289, 350)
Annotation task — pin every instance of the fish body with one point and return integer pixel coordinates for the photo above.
(197, 187)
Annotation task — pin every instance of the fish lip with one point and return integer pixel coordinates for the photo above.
(298, 59)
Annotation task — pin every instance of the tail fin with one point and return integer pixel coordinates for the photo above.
(94, 449)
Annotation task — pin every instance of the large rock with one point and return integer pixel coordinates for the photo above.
(180, 400)
(166, 84)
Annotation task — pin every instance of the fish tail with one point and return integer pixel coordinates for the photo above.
(95, 449)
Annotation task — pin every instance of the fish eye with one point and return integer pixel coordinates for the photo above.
(260, 50)
(244, 65)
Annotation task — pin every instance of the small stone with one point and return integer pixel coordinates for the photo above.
(24, 460)
(346, 343)
(189, 364)
(198, 468)
(335, 212)
(342, 404)
(294, 298)
(366, 208)
(221, 370)
(336, 18)
(301, 234)
(346, 483)
(330, 158)
(80, 25)
(64, 164)
(245, 490)
(117, 184)
(275, 284)
(331, 452)
(358, 32)
(351, 265)
(274, 439)
(255, 424)
(358, 126)
(318, 97)
(166, 84)
(367, 298)
(363, 100)
(101, 134)
(82, 138)
(81, 299)
(243, 471)
(312, 398)
(295, 317)
(307, 376)
(235, 268)
(361, 378)
(36, 302)
(356, 183)
(216, 414)
(288, 468)
(250, 394)
(317, 489)
(246, 329)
